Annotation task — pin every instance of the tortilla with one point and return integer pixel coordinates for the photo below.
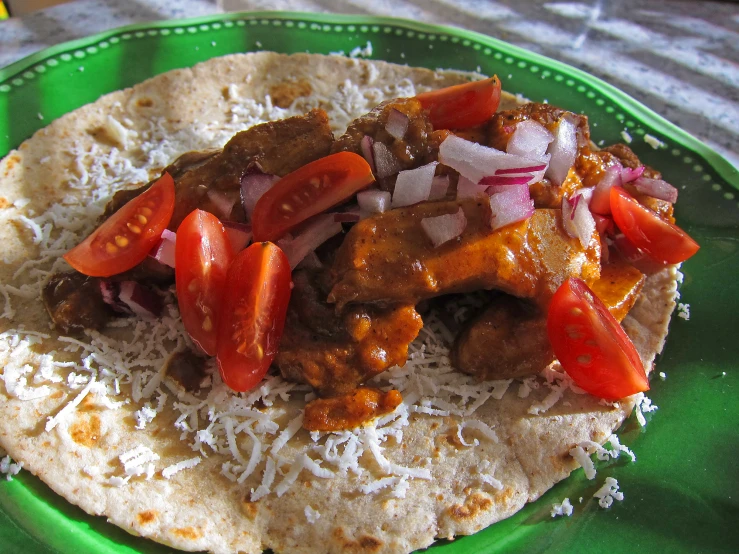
(417, 478)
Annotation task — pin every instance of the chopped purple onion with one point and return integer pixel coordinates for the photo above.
(397, 124)
(253, 186)
(366, 146)
(443, 228)
(656, 188)
(413, 185)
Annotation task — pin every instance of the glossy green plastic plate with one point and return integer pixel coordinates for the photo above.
(681, 495)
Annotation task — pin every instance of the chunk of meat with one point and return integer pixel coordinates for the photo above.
(389, 259)
(418, 146)
(75, 302)
(276, 148)
(374, 340)
(509, 339)
(350, 410)
(188, 369)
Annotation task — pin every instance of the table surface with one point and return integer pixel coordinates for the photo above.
(679, 57)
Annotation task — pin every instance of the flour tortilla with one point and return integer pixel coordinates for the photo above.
(199, 508)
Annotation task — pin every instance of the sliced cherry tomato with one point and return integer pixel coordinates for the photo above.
(253, 313)
(659, 239)
(308, 191)
(462, 106)
(126, 237)
(203, 254)
(591, 345)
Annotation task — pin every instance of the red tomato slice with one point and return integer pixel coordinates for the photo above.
(253, 314)
(462, 106)
(308, 191)
(126, 237)
(591, 345)
(203, 254)
(660, 239)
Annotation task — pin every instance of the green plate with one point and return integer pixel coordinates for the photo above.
(682, 495)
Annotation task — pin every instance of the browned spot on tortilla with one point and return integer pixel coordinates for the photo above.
(12, 160)
(146, 517)
(4, 203)
(57, 394)
(505, 496)
(283, 94)
(365, 543)
(86, 430)
(144, 102)
(473, 505)
(46, 444)
(187, 533)
(250, 509)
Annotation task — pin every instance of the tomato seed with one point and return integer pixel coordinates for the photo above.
(584, 359)
(111, 248)
(207, 324)
(121, 241)
(142, 219)
(134, 228)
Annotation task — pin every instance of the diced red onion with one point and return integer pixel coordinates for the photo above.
(439, 187)
(164, 250)
(413, 185)
(443, 228)
(656, 188)
(110, 291)
(348, 216)
(506, 180)
(239, 234)
(629, 174)
(517, 170)
(530, 139)
(385, 161)
(141, 300)
(373, 201)
(601, 202)
(563, 151)
(397, 123)
(603, 224)
(321, 228)
(510, 206)
(522, 191)
(468, 189)
(475, 161)
(311, 261)
(576, 217)
(223, 203)
(253, 186)
(366, 146)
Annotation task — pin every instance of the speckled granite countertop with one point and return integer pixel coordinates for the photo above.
(679, 57)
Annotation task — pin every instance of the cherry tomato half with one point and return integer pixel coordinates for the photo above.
(308, 191)
(591, 345)
(462, 106)
(203, 254)
(660, 239)
(126, 237)
(253, 313)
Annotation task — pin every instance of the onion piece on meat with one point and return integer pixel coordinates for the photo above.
(603, 224)
(140, 300)
(601, 201)
(439, 187)
(413, 185)
(253, 186)
(496, 180)
(385, 161)
(397, 123)
(347, 216)
(373, 201)
(366, 146)
(521, 170)
(223, 203)
(443, 228)
(163, 251)
(656, 188)
(239, 234)
(510, 205)
(629, 174)
(576, 217)
(475, 161)
(563, 151)
(318, 230)
(468, 189)
(530, 139)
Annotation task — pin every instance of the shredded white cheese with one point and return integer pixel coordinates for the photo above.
(311, 515)
(626, 136)
(653, 141)
(683, 311)
(608, 493)
(169, 471)
(10, 468)
(564, 508)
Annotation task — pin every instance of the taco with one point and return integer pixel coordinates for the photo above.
(118, 416)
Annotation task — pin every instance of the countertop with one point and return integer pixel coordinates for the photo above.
(680, 58)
